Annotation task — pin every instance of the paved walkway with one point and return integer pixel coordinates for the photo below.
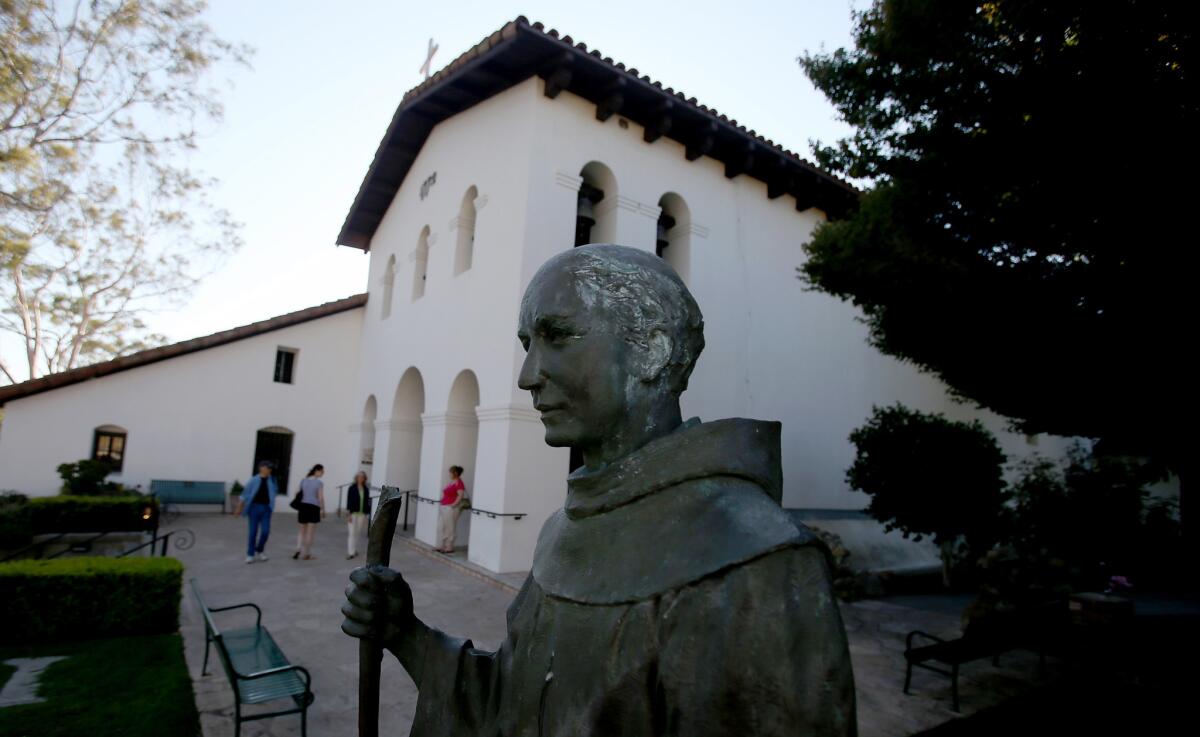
(300, 602)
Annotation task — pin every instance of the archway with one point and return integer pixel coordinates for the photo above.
(420, 264)
(389, 281)
(462, 438)
(404, 447)
(673, 241)
(595, 207)
(464, 252)
(274, 444)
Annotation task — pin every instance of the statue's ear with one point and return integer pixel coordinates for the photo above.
(657, 355)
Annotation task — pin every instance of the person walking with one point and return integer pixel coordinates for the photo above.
(260, 490)
(312, 509)
(453, 497)
(358, 511)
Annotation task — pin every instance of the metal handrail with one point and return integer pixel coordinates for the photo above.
(408, 494)
(475, 510)
(70, 548)
(185, 540)
(40, 543)
(494, 515)
(341, 488)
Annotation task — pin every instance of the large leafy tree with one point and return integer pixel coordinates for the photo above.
(1027, 230)
(100, 218)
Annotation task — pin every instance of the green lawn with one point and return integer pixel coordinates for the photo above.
(123, 686)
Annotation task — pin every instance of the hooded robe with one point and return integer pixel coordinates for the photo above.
(670, 596)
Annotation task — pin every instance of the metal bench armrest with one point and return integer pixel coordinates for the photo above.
(258, 619)
(908, 641)
(281, 669)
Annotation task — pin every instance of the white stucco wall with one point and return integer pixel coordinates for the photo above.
(196, 417)
(463, 321)
(774, 351)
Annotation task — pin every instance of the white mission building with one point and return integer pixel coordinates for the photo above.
(526, 145)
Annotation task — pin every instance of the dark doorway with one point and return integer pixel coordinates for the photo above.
(275, 444)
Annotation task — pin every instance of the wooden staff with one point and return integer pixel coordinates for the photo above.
(370, 653)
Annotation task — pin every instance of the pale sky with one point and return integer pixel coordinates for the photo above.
(302, 124)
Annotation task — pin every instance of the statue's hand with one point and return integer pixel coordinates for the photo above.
(379, 606)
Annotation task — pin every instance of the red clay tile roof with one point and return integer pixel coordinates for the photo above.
(162, 353)
(520, 50)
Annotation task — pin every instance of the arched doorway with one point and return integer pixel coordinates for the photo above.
(404, 447)
(462, 439)
(275, 444)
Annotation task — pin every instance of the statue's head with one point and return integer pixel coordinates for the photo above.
(611, 335)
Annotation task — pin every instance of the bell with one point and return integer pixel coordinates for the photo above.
(585, 210)
(585, 218)
(665, 223)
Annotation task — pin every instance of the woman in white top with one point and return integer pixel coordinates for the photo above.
(312, 509)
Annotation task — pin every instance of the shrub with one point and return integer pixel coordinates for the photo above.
(16, 530)
(87, 478)
(81, 598)
(930, 476)
(236, 489)
(1076, 524)
(92, 513)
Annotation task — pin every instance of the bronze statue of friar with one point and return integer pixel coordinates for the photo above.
(671, 595)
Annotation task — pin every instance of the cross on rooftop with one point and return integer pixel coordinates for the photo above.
(428, 58)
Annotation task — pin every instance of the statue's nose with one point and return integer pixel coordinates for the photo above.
(531, 377)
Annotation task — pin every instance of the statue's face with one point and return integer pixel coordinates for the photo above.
(575, 363)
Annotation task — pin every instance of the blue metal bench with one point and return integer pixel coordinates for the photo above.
(189, 492)
(256, 668)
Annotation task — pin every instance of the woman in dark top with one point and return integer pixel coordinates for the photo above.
(358, 508)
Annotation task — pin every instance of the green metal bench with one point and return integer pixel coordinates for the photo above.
(257, 669)
(188, 492)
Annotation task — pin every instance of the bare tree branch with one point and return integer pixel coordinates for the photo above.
(99, 223)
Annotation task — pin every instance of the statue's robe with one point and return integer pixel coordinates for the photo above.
(671, 596)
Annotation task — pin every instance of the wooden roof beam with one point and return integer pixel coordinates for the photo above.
(781, 180)
(702, 142)
(558, 75)
(660, 122)
(740, 161)
(612, 99)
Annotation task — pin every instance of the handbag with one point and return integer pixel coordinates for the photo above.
(297, 500)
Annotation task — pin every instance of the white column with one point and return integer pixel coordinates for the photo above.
(355, 449)
(518, 474)
(402, 466)
(379, 454)
(636, 222)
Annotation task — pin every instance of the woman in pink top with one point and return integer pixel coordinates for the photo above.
(453, 497)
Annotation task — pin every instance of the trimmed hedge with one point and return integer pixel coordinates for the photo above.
(82, 598)
(91, 513)
(16, 521)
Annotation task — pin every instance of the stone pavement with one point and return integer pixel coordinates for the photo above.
(300, 602)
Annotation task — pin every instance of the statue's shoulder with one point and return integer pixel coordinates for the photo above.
(662, 542)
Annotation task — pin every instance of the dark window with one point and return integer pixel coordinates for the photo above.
(285, 364)
(109, 446)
